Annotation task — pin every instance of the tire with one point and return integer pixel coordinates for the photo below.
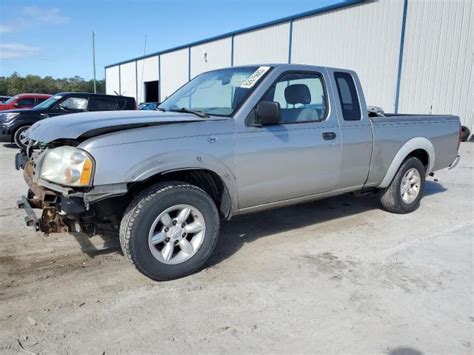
(465, 133)
(142, 217)
(398, 199)
(17, 137)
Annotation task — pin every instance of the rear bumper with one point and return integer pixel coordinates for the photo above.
(5, 133)
(455, 162)
(4, 137)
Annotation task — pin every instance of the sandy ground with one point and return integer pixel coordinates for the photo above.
(334, 276)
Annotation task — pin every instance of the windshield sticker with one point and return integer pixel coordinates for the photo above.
(252, 79)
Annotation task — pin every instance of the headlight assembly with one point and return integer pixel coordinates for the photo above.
(67, 166)
(10, 116)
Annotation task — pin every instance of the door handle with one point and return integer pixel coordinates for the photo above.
(329, 136)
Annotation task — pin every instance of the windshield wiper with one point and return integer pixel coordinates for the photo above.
(194, 112)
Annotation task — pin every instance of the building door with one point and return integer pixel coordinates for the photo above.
(151, 91)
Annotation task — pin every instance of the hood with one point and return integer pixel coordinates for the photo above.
(91, 124)
(19, 110)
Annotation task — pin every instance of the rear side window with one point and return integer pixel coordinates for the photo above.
(125, 104)
(40, 100)
(102, 104)
(348, 96)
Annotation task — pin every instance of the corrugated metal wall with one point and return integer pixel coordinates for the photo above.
(128, 79)
(362, 38)
(174, 71)
(147, 70)
(268, 45)
(211, 55)
(437, 62)
(112, 81)
(437, 72)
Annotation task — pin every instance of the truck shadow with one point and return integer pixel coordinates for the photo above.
(248, 228)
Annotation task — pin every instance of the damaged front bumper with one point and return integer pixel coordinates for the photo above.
(59, 214)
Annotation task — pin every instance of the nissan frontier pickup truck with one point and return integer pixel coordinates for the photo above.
(229, 142)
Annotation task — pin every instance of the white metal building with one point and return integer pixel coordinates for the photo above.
(413, 56)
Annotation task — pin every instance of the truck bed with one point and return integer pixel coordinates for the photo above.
(391, 133)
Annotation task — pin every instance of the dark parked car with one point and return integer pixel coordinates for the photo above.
(23, 101)
(148, 105)
(14, 123)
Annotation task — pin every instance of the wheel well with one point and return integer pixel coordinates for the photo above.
(12, 137)
(204, 179)
(422, 155)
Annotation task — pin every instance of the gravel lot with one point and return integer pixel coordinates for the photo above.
(333, 276)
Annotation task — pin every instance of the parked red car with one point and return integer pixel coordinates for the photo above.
(23, 101)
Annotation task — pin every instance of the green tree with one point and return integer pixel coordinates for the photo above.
(16, 84)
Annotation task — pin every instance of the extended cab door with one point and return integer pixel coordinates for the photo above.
(296, 158)
(356, 130)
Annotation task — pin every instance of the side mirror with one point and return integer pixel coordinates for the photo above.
(267, 113)
(15, 104)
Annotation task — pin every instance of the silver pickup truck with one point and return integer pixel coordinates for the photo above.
(229, 142)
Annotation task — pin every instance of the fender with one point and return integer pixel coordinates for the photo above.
(410, 146)
(185, 160)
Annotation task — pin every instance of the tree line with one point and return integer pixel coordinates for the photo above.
(17, 84)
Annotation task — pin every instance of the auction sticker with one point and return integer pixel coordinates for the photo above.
(252, 79)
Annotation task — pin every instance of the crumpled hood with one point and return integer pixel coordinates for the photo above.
(90, 124)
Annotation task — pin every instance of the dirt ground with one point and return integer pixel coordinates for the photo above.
(333, 276)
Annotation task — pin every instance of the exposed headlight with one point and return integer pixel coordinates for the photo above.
(67, 166)
(10, 116)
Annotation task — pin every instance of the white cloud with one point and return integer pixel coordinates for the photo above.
(42, 15)
(16, 50)
(5, 29)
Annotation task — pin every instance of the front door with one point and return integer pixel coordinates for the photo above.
(71, 104)
(296, 158)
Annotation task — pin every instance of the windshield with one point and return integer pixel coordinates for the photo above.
(10, 100)
(49, 102)
(219, 92)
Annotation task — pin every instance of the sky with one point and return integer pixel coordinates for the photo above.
(47, 37)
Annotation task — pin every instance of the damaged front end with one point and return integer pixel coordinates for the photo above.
(59, 213)
(61, 207)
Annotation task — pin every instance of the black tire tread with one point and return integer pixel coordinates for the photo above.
(139, 202)
(15, 136)
(390, 197)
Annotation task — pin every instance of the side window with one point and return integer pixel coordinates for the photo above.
(40, 100)
(102, 104)
(26, 102)
(348, 96)
(301, 97)
(74, 104)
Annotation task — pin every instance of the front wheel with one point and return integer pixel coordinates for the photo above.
(404, 193)
(170, 230)
(20, 138)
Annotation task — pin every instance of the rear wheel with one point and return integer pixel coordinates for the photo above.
(404, 193)
(170, 230)
(19, 137)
